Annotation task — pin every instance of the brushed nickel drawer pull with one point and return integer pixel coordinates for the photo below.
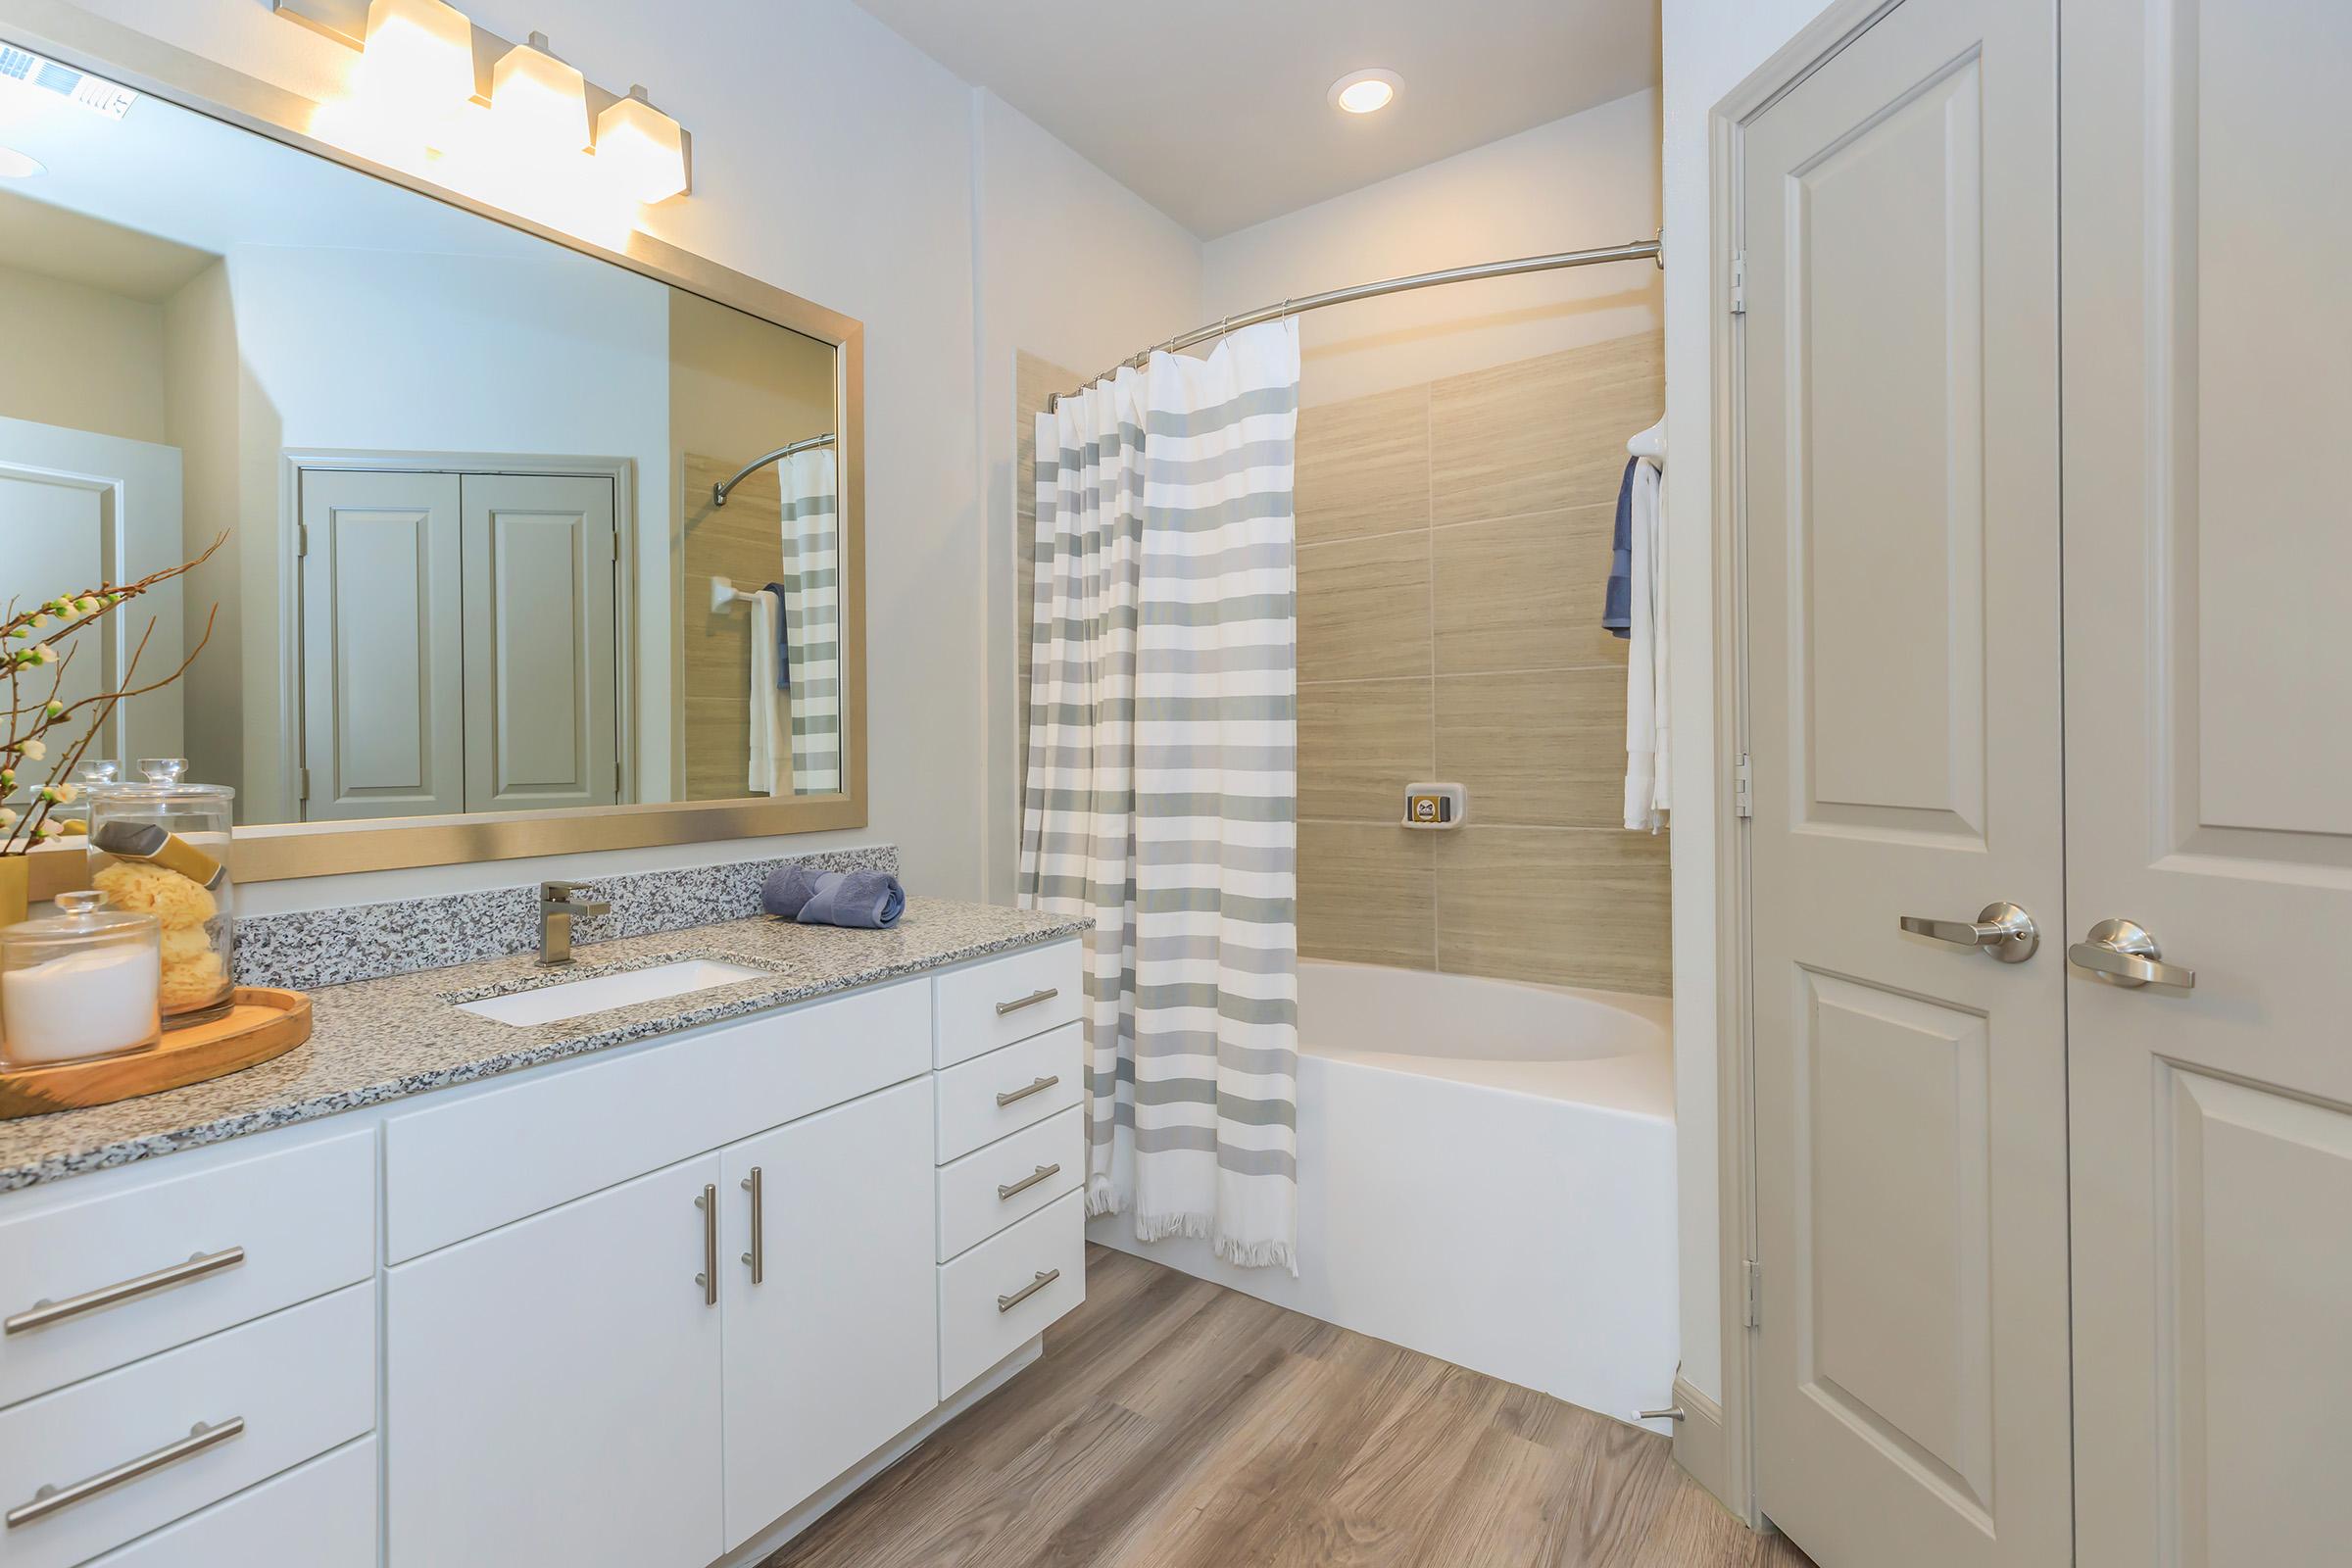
(1029, 1001)
(1038, 1087)
(50, 1499)
(758, 1255)
(707, 1279)
(1005, 1303)
(42, 1314)
(1043, 1173)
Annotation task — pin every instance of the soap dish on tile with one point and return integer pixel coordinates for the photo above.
(1433, 808)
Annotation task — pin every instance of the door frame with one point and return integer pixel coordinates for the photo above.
(1723, 1458)
(295, 461)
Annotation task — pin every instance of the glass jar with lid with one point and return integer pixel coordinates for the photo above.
(160, 846)
(80, 984)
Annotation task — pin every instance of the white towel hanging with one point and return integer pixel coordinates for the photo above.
(1647, 701)
(771, 731)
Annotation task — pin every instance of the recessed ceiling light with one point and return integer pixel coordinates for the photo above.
(1360, 92)
(15, 165)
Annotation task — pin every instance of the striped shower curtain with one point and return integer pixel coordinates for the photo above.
(811, 585)
(1162, 788)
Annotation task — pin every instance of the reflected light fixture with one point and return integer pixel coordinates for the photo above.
(641, 148)
(418, 60)
(15, 165)
(538, 103)
(1360, 92)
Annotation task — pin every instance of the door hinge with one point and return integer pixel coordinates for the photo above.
(616, 778)
(302, 784)
(1753, 1314)
(1744, 787)
(1738, 282)
(302, 539)
(615, 538)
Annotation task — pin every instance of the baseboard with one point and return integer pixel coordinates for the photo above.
(1699, 1441)
(769, 1541)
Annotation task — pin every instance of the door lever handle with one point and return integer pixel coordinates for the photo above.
(2123, 954)
(2001, 929)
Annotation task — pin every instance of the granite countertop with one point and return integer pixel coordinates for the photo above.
(378, 1039)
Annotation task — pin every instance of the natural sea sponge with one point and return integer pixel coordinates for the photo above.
(182, 943)
(192, 982)
(174, 901)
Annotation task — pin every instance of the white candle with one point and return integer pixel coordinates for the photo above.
(86, 1003)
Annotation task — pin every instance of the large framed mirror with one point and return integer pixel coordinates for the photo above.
(531, 547)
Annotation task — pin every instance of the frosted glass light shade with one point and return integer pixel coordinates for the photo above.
(641, 148)
(419, 56)
(539, 103)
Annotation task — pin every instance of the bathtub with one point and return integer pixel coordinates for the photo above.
(1486, 1174)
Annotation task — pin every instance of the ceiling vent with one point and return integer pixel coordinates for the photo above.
(95, 94)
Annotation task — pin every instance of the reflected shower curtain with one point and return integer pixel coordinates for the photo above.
(811, 586)
(1162, 788)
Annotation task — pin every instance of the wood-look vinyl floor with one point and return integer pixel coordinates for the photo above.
(1173, 1423)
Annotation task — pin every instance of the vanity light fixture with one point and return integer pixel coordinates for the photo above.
(1360, 92)
(538, 104)
(641, 148)
(15, 165)
(418, 58)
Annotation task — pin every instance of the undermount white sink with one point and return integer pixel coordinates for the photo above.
(604, 991)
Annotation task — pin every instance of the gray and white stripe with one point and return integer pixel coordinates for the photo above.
(813, 616)
(1163, 786)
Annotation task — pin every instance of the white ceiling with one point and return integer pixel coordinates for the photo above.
(1216, 111)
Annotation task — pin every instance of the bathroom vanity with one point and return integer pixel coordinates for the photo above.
(653, 1286)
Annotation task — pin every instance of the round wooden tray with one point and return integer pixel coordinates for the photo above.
(262, 1024)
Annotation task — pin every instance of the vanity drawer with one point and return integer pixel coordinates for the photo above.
(1010, 1179)
(1009, 999)
(457, 1170)
(320, 1515)
(300, 1381)
(991, 1302)
(982, 1100)
(264, 1232)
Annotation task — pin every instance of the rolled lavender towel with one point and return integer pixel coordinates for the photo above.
(868, 899)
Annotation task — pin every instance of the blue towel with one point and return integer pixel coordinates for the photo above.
(783, 641)
(1617, 605)
(868, 900)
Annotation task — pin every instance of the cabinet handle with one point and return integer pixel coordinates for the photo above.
(45, 1312)
(707, 1279)
(49, 1499)
(1043, 1173)
(1029, 1001)
(1037, 1088)
(758, 1255)
(1005, 1303)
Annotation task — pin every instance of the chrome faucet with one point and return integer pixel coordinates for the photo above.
(557, 907)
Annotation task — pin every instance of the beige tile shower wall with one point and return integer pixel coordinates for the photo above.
(1453, 549)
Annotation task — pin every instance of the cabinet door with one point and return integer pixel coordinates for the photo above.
(383, 730)
(539, 678)
(553, 1388)
(834, 1349)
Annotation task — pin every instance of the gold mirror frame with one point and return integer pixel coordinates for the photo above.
(278, 852)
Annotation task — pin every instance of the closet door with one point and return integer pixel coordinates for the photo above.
(540, 727)
(382, 695)
(2209, 775)
(1900, 375)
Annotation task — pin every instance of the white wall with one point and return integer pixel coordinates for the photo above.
(1587, 180)
(834, 160)
(1709, 46)
(1076, 268)
(81, 356)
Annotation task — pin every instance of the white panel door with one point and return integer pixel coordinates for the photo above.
(382, 639)
(552, 1388)
(834, 1349)
(539, 641)
(78, 510)
(1899, 209)
(2209, 776)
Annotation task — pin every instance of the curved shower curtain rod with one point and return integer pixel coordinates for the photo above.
(718, 490)
(1639, 250)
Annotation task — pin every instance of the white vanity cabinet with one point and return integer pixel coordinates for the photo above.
(553, 1387)
(650, 1308)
